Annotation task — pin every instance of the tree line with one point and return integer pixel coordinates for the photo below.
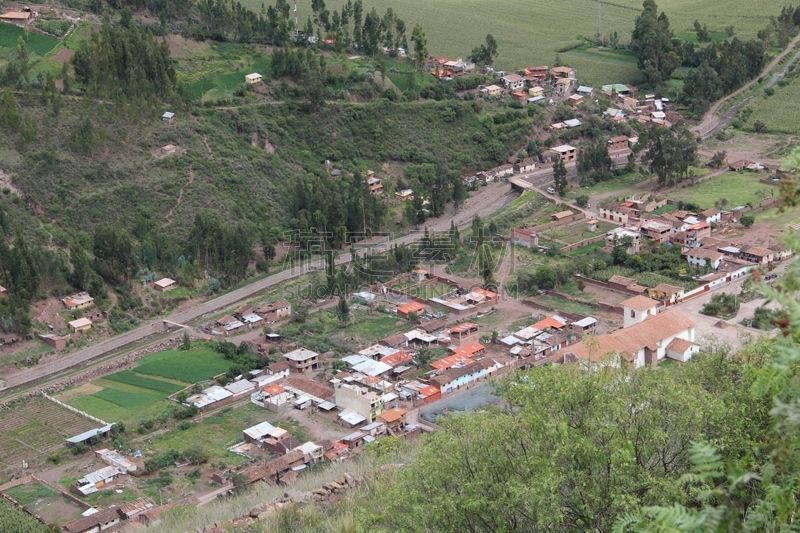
(718, 67)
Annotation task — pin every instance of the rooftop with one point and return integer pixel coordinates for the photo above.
(640, 303)
(301, 354)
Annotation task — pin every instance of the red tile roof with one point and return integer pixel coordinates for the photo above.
(469, 349)
(450, 360)
(548, 322)
(641, 303)
(411, 307)
(397, 358)
(463, 328)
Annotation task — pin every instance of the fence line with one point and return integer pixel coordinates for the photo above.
(77, 411)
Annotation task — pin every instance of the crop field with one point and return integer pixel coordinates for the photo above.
(530, 33)
(736, 187)
(322, 331)
(34, 42)
(779, 112)
(32, 430)
(114, 401)
(215, 70)
(14, 519)
(197, 364)
(129, 377)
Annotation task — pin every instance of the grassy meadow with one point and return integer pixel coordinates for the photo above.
(738, 188)
(533, 32)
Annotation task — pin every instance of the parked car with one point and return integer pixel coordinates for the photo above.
(551, 190)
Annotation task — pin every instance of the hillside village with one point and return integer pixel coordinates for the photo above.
(314, 360)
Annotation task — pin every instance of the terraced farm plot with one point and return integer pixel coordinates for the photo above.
(197, 364)
(114, 401)
(31, 431)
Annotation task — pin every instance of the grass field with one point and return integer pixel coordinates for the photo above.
(30, 492)
(578, 232)
(197, 364)
(215, 70)
(34, 42)
(737, 187)
(530, 33)
(432, 291)
(214, 433)
(779, 112)
(322, 331)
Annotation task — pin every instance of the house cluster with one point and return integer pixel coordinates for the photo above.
(650, 110)
(528, 86)
(446, 69)
(690, 231)
(648, 336)
(247, 317)
(543, 338)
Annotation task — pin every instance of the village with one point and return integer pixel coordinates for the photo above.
(451, 333)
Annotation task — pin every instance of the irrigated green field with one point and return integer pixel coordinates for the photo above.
(738, 188)
(117, 401)
(34, 42)
(197, 364)
(530, 33)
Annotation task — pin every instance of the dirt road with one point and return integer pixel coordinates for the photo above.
(485, 202)
(712, 124)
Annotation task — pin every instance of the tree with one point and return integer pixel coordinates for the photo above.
(619, 253)
(702, 86)
(187, 342)
(486, 264)
(654, 44)
(342, 310)
(718, 159)
(747, 220)
(420, 46)
(560, 177)
(485, 54)
(413, 317)
(582, 200)
(598, 445)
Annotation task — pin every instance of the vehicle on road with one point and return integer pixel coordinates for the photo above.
(551, 190)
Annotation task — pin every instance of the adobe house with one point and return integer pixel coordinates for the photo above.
(617, 143)
(81, 324)
(168, 149)
(253, 78)
(164, 285)
(168, 117)
(18, 18)
(524, 237)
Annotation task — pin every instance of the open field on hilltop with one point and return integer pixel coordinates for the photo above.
(779, 112)
(531, 32)
(738, 188)
(197, 364)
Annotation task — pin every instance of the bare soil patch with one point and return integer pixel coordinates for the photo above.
(84, 390)
(64, 55)
(47, 312)
(181, 48)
